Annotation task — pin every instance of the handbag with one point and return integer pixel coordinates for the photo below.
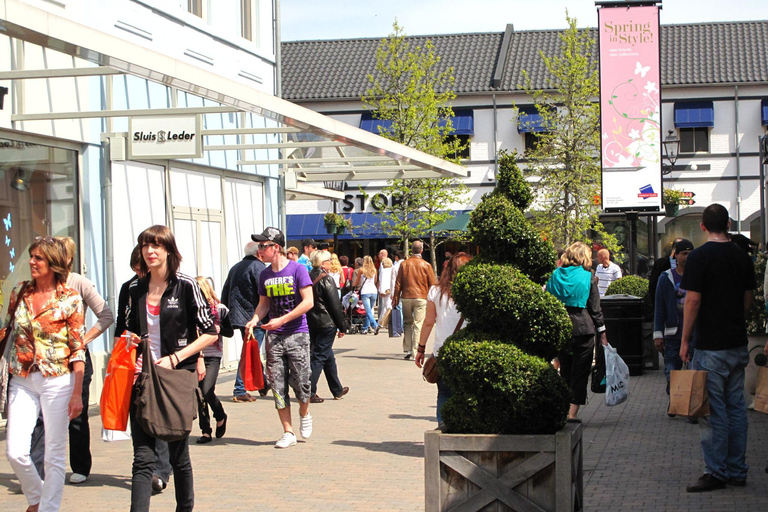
(165, 401)
(616, 378)
(429, 370)
(115, 399)
(597, 384)
(250, 364)
(688, 392)
(761, 390)
(5, 352)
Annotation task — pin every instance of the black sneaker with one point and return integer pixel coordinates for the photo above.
(408, 356)
(706, 483)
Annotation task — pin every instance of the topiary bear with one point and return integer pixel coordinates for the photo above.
(498, 366)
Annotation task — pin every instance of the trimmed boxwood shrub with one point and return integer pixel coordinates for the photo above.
(506, 236)
(499, 389)
(506, 306)
(498, 366)
(636, 286)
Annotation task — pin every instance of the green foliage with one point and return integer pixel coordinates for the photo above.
(506, 236)
(504, 305)
(565, 162)
(672, 196)
(510, 182)
(636, 286)
(757, 316)
(499, 389)
(412, 89)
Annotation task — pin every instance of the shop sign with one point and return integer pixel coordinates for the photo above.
(164, 137)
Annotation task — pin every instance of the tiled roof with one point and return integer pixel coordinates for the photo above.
(704, 53)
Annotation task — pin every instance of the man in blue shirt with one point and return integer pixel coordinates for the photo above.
(308, 246)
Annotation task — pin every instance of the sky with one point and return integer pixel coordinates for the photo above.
(346, 19)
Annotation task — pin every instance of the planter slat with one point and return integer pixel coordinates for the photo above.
(521, 473)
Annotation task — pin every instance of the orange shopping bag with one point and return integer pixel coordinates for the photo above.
(250, 364)
(116, 395)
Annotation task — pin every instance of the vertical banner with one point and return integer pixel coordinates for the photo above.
(630, 108)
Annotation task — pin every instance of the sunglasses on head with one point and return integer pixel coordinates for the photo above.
(46, 240)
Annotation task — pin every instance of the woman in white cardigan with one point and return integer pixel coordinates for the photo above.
(385, 289)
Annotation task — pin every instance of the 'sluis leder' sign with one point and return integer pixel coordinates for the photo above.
(164, 137)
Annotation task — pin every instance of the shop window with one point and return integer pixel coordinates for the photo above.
(694, 140)
(38, 197)
(683, 226)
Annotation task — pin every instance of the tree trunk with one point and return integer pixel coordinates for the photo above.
(432, 251)
(406, 246)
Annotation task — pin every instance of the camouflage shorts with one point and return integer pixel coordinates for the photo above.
(288, 363)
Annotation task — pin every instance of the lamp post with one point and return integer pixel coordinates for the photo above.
(671, 147)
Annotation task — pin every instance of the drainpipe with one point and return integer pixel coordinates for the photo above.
(738, 160)
(495, 138)
(278, 47)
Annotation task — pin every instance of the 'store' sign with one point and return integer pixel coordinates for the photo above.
(164, 137)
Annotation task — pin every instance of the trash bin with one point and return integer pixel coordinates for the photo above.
(624, 328)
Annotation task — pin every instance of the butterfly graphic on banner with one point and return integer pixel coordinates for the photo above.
(7, 241)
(642, 71)
(12, 267)
(7, 222)
(13, 252)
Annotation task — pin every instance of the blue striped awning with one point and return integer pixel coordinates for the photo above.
(530, 121)
(311, 225)
(462, 122)
(764, 112)
(694, 114)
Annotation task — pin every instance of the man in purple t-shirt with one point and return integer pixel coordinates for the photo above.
(285, 292)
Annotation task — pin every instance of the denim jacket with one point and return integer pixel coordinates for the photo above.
(665, 321)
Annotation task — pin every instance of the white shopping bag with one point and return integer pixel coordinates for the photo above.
(616, 377)
(109, 436)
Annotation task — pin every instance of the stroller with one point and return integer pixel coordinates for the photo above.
(354, 311)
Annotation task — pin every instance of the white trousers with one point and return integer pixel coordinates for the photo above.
(26, 397)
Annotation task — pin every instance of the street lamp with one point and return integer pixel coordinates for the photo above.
(671, 152)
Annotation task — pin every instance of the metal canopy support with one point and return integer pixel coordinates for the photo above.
(58, 73)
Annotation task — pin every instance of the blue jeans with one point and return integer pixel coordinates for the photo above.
(724, 432)
(369, 299)
(443, 394)
(239, 386)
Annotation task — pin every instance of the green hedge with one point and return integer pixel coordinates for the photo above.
(505, 236)
(499, 299)
(510, 182)
(499, 389)
(628, 285)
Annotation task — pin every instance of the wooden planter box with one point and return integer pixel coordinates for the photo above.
(466, 472)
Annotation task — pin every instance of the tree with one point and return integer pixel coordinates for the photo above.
(410, 90)
(564, 162)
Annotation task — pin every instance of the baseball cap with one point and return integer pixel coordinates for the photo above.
(270, 234)
(683, 245)
(307, 242)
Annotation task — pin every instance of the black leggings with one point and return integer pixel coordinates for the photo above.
(208, 388)
(575, 363)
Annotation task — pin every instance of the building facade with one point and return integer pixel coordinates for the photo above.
(714, 99)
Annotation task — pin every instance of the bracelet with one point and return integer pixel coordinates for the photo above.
(177, 359)
(170, 360)
(421, 349)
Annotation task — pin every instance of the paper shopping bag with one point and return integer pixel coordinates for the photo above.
(688, 393)
(118, 384)
(250, 364)
(761, 390)
(384, 320)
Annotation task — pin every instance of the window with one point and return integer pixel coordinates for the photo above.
(249, 20)
(38, 197)
(195, 7)
(694, 140)
(464, 140)
(532, 140)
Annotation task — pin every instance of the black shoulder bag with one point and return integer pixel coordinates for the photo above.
(165, 401)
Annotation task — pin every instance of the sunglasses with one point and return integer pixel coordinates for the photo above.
(266, 246)
(46, 240)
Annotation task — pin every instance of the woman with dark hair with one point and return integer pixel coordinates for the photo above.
(325, 320)
(46, 364)
(575, 286)
(441, 312)
(175, 310)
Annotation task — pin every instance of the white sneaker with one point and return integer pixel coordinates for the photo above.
(306, 426)
(77, 478)
(288, 439)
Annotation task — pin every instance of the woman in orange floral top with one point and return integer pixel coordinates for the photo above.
(46, 366)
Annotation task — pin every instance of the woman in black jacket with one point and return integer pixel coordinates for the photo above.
(174, 311)
(324, 319)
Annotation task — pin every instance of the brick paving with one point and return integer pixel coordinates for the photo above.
(366, 452)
